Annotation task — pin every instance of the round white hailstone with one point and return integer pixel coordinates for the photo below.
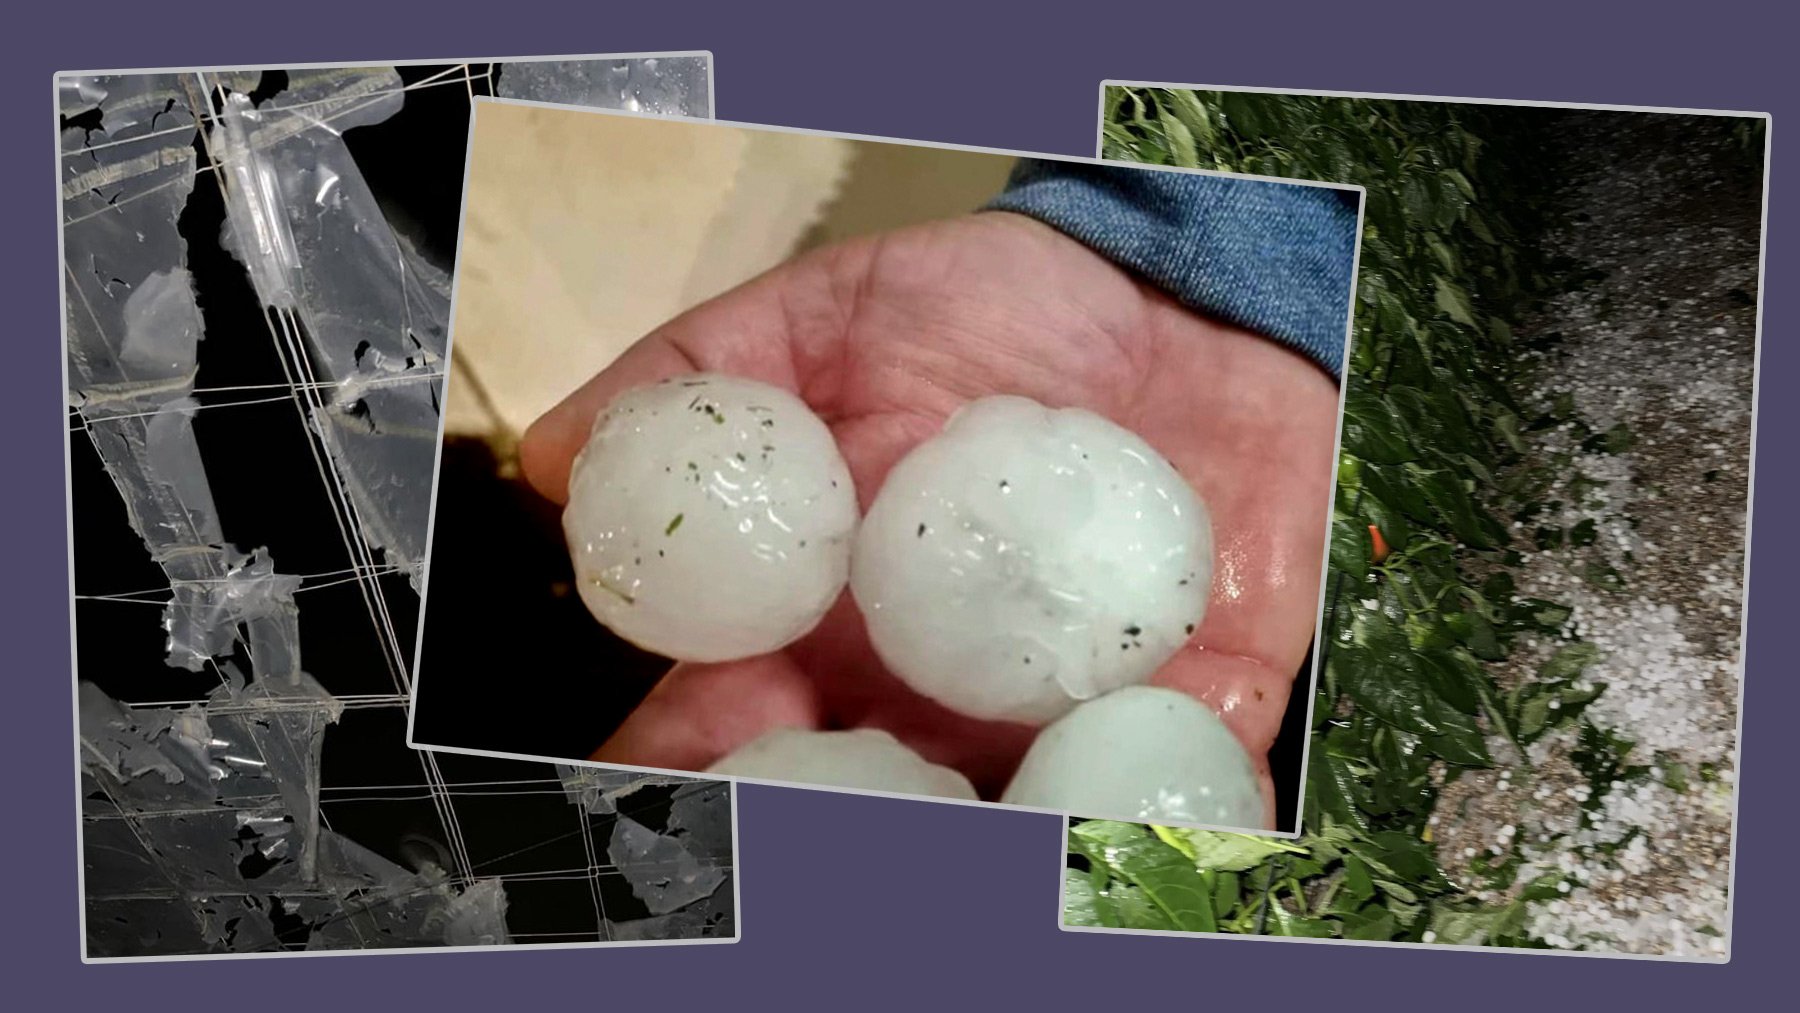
(1026, 559)
(1141, 753)
(867, 758)
(710, 518)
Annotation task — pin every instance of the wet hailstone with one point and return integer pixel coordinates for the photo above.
(1141, 753)
(867, 758)
(1026, 559)
(710, 518)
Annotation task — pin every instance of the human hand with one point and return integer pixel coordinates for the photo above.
(884, 338)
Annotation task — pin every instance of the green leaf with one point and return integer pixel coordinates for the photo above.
(1403, 856)
(1476, 926)
(1374, 432)
(1453, 301)
(1569, 661)
(1106, 832)
(1211, 849)
(1451, 501)
(1227, 891)
(1081, 901)
(1191, 111)
(1533, 715)
(1394, 486)
(1446, 257)
(1454, 677)
(1477, 633)
(1166, 876)
(1391, 691)
(1461, 182)
(1333, 787)
(1506, 424)
(1133, 910)
(1459, 741)
(1282, 922)
(1479, 226)
(1181, 140)
(1356, 878)
(1373, 923)
(1351, 547)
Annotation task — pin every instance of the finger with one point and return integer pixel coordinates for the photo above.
(551, 443)
(698, 714)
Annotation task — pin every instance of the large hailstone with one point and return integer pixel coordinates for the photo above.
(1142, 753)
(710, 518)
(867, 758)
(1027, 559)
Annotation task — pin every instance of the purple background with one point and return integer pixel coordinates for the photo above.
(855, 902)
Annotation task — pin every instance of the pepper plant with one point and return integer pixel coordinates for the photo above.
(1420, 598)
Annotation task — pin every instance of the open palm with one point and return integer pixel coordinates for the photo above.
(885, 337)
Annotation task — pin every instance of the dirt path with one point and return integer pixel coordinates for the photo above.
(1642, 534)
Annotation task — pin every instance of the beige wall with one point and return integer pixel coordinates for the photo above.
(584, 230)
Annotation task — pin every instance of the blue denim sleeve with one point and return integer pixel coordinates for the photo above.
(1269, 257)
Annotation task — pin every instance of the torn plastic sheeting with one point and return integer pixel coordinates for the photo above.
(382, 436)
(255, 212)
(474, 917)
(77, 95)
(710, 917)
(116, 864)
(124, 187)
(662, 872)
(302, 219)
(155, 464)
(598, 790)
(162, 328)
(670, 85)
(381, 904)
(205, 852)
(132, 318)
(203, 616)
(701, 814)
(268, 834)
(155, 760)
(163, 749)
(414, 917)
(143, 927)
(285, 720)
(246, 744)
(361, 901)
(237, 924)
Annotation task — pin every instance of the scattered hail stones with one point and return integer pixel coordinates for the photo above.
(710, 518)
(867, 759)
(1026, 559)
(1141, 753)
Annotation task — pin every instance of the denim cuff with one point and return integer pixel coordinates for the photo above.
(1274, 258)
